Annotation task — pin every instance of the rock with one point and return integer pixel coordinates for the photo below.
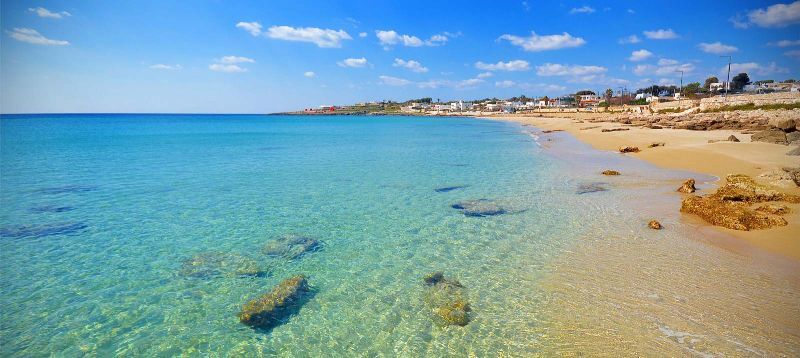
(793, 137)
(37, 231)
(776, 136)
(589, 127)
(656, 144)
(655, 225)
(732, 215)
(795, 151)
(743, 188)
(50, 209)
(732, 138)
(480, 208)
(779, 177)
(67, 189)
(610, 172)
(447, 300)
(449, 188)
(615, 129)
(586, 188)
(794, 173)
(291, 246)
(784, 124)
(276, 306)
(212, 264)
(552, 131)
(687, 187)
(775, 209)
(629, 149)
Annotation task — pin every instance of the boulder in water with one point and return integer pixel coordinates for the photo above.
(687, 187)
(291, 246)
(586, 188)
(447, 300)
(629, 149)
(449, 188)
(212, 264)
(610, 172)
(480, 208)
(655, 225)
(276, 306)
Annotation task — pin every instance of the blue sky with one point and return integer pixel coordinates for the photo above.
(260, 57)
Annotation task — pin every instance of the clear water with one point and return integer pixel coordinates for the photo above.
(99, 213)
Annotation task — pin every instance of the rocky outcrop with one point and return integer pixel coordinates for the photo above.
(447, 300)
(775, 209)
(776, 136)
(610, 172)
(795, 151)
(743, 188)
(794, 173)
(732, 138)
(687, 187)
(629, 149)
(614, 129)
(212, 264)
(784, 123)
(291, 246)
(655, 225)
(586, 188)
(276, 306)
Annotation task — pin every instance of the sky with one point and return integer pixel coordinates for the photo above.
(268, 56)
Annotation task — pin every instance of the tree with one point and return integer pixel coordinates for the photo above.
(739, 81)
(609, 94)
(709, 81)
(691, 89)
(789, 81)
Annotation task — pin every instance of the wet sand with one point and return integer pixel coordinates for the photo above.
(690, 150)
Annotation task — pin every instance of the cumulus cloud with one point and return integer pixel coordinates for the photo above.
(582, 10)
(393, 81)
(786, 43)
(640, 55)
(792, 53)
(325, 38)
(253, 28)
(661, 34)
(353, 62)
(161, 66)
(536, 43)
(778, 15)
(389, 38)
(42, 12)
(411, 65)
(309, 74)
(34, 37)
(515, 65)
(632, 39)
(468, 83)
(667, 62)
(717, 48)
(485, 75)
(555, 69)
(235, 59)
(505, 84)
(753, 68)
(362, 34)
(218, 67)
(664, 67)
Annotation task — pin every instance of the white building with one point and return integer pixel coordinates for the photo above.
(720, 86)
(642, 96)
(461, 106)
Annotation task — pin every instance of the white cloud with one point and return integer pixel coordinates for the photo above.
(661, 34)
(631, 11)
(325, 38)
(787, 43)
(632, 39)
(665, 67)
(411, 65)
(460, 85)
(542, 87)
(778, 15)
(536, 43)
(388, 38)
(468, 83)
(582, 10)
(753, 68)
(526, 6)
(555, 69)
(254, 28)
(640, 55)
(717, 48)
(217, 67)
(353, 62)
(393, 81)
(362, 34)
(515, 65)
(309, 74)
(235, 59)
(33, 37)
(161, 66)
(792, 53)
(485, 75)
(505, 84)
(432, 84)
(667, 62)
(42, 12)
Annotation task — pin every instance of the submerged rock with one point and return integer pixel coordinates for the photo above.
(67, 189)
(480, 208)
(629, 149)
(655, 225)
(37, 231)
(610, 172)
(447, 300)
(729, 214)
(291, 246)
(449, 188)
(586, 188)
(687, 187)
(211, 264)
(276, 306)
(50, 209)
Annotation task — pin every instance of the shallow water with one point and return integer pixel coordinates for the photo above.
(147, 192)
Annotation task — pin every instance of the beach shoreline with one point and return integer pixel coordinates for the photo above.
(691, 151)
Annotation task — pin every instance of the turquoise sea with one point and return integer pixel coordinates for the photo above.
(100, 214)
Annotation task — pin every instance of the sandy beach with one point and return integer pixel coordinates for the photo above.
(691, 150)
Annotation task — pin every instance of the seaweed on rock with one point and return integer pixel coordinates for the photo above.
(213, 264)
(291, 246)
(447, 300)
(278, 305)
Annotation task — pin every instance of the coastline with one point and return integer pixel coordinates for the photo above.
(690, 150)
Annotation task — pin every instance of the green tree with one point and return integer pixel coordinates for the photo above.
(709, 81)
(609, 94)
(739, 81)
(691, 89)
